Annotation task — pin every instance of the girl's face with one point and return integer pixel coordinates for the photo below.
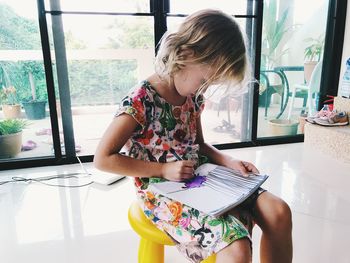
(189, 79)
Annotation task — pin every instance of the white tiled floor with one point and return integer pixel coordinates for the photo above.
(41, 223)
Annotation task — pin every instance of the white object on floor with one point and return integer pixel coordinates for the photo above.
(311, 88)
(104, 178)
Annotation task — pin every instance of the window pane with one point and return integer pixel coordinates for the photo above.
(237, 7)
(100, 6)
(225, 117)
(297, 27)
(22, 70)
(103, 67)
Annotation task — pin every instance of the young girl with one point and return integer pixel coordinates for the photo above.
(162, 114)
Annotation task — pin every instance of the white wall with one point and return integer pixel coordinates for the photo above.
(346, 46)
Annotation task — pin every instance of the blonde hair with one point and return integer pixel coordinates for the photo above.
(215, 39)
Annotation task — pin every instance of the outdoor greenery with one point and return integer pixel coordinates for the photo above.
(313, 52)
(100, 82)
(4, 81)
(94, 82)
(11, 126)
(273, 32)
(131, 34)
(8, 95)
(91, 81)
(19, 33)
(18, 77)
(38, 91)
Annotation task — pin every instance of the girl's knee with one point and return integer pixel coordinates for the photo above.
(274, 214)
(281, 217)
(283, 210)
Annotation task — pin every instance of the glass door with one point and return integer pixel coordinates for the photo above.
(292, 46)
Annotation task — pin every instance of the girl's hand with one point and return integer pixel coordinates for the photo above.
(178, 171)
(243, 167)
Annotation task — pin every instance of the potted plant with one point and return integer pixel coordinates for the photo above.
(35, 106)
(11, 137)
(10, 107)
(312, 55)
(8, 96)
(275, 28)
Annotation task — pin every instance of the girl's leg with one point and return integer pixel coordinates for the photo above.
(238, 251)
(274, 217)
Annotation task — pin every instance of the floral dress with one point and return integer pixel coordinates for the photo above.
(163, 126)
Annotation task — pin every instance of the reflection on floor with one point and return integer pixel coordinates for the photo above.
(42, 224)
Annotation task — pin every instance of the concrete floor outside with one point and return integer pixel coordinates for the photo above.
(90, 122)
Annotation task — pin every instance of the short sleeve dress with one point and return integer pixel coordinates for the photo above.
(163, 126)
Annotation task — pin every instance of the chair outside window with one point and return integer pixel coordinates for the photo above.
(312, 90)
(279, 87)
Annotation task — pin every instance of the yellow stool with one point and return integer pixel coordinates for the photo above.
(151, 248)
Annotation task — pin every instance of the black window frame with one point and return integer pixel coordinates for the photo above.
(160, 10)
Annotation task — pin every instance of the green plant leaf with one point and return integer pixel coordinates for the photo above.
(314, 50)
(273, 32)
(12, 126)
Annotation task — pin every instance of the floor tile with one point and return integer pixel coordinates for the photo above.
(41, 223)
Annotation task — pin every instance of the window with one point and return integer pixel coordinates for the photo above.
(101, 6)
(101, 67)
(80, 57)
(293, 37)
(225, 116)
(23, 91)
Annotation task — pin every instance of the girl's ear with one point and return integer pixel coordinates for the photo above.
(187, 53)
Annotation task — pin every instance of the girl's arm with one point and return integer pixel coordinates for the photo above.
(108, 158)
(220, 158)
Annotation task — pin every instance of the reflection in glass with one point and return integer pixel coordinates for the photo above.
(102, 5)
(224, 119)
(188, 7)
(291, 29)
(22, 71)
(106, 57)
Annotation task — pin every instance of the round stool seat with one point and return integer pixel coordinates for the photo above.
(151, 248)
(145, 228)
